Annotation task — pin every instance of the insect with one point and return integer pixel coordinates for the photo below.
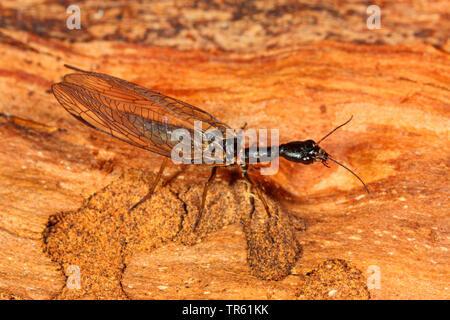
(147, 119)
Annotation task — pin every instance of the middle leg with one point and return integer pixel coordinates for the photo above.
(257, 188)
(205, 191)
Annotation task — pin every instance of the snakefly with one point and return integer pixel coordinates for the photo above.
(146, 119)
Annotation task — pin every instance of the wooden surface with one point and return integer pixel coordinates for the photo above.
(302, 68)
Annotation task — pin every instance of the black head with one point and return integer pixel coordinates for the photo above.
(308, 152)
(305, 152)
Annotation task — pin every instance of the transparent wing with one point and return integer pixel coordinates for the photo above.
(129, 112)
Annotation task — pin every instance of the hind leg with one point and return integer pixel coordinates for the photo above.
(153, 186)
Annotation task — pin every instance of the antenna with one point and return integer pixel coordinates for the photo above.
(74, 68)
(367, 189)
(335, 129)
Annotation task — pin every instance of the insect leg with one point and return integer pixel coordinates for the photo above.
(173, 177)
(205, 190)
(257, 188)
(153, 186)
